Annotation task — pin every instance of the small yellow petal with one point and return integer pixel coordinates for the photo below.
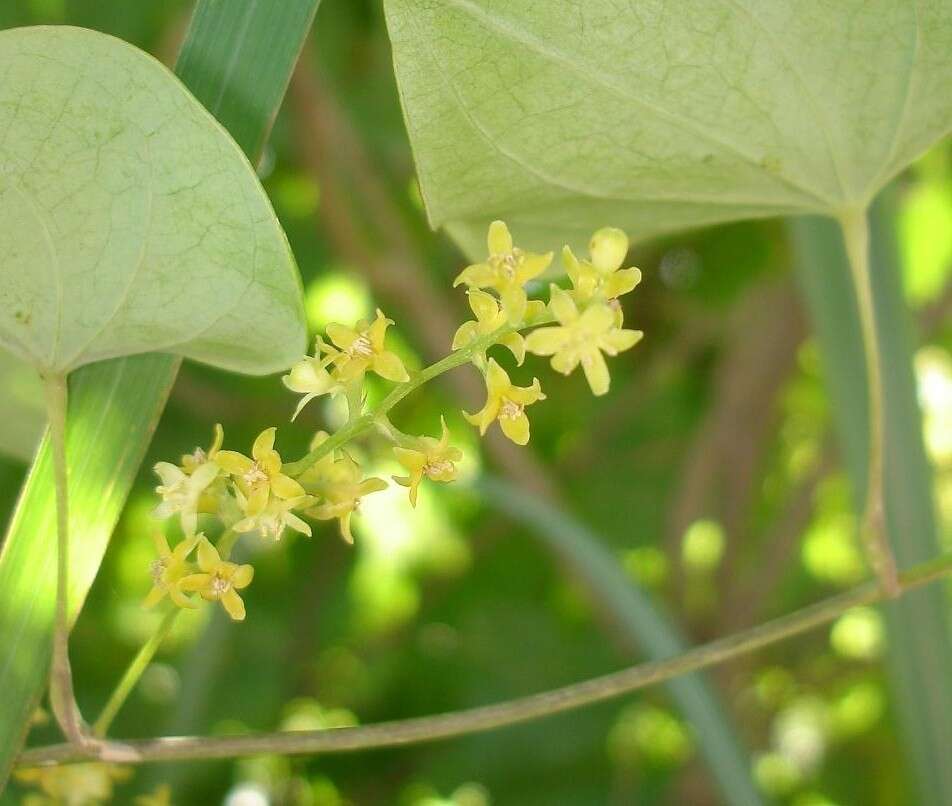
(345, 528)
(547, 340)
(410, 459)
(217, 440)
(478, 275)
(179, 599)
(516, 428)
(297, 524)
(514, 302)
(516, 345)
(497, 379)
(341, 335)
(207, 555)
(233, 605)
(532, 266)
(286, 487)
(194, 582)
(264, 444)
(388, 365)
(257, 501)
(617, 341)
(243, 576)
(499, 239)
(237, 464)
(562, 305)
(621, 282)
(483, 305)
(596, 371)
(565, 361)
(570, 262)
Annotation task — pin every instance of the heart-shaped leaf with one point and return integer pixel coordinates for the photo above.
(656, 116)
(130, 221)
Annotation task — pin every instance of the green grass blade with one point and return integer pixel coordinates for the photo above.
(642, 625)
(237, 60)
(920, 653)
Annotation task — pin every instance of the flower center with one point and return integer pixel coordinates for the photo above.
(508, 263)
(436, 467)
(157, 569)
(255, 476)
(220, 585)
(271, 526)
(361, 346)
(509, 410)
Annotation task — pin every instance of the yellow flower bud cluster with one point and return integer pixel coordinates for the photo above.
(261, 494)
(588, 320)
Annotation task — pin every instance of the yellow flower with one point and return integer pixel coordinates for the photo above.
(506, 403)
(581, 338)
(339, 485)
(181, 491)
(489, 318)
(74, 784)
(361, 348)
(194, 460)
(271, 521)
(169, 570)
(260, 476)
(162, 796)
(427, 457)
(219, 580)
(311, 379)
(506, 270)
(602, 275)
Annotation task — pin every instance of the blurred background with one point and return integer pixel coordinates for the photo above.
(708, 487)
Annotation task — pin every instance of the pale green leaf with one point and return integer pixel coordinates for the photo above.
(130, 221)
(657, 116)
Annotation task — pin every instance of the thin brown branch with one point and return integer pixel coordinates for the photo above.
(489, 717)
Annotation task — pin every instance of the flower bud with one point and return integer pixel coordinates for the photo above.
(608, 248)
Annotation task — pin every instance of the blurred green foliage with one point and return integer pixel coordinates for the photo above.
(729, 511)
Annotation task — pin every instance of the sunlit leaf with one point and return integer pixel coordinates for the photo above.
(657, 116)
(130, 221)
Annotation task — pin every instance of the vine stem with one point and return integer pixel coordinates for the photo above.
(476, 720)
(132, 674)
(873, 524)
(62, 697)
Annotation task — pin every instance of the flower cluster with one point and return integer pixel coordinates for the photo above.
(262, 494)
(84, 784)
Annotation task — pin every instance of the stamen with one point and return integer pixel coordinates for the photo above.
(157, 569)
(509, 410)
(255, 475)
(436, 467)
(361, 346)
(220, 585)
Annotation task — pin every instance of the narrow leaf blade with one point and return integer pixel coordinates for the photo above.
(644, 628)
(920, 652)
(272, 37)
